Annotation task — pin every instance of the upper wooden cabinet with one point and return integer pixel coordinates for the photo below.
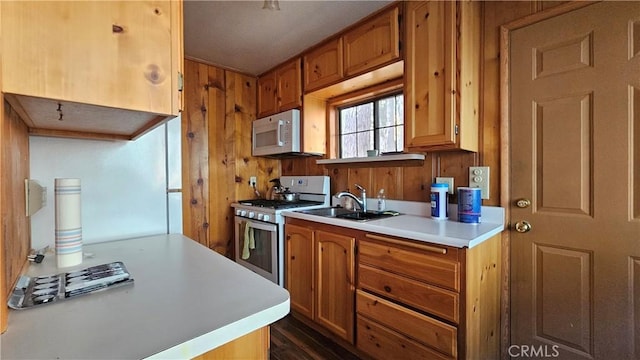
(442, 75)
(323, 65)
(92, 69)
(369, 45)
(280, 89)
(373, 43)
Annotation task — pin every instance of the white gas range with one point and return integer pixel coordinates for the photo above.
(259, 224)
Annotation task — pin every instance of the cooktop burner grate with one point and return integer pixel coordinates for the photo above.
(279, 204)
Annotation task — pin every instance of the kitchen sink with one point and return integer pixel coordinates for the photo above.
(327, 212)
(363, 216)
(342, 213)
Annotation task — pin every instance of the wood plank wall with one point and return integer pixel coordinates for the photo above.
(220, 106)
(15, 239)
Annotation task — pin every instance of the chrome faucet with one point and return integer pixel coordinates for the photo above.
(362, 201)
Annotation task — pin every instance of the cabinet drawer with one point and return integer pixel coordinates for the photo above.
(426, 330)
(383, 343)
(439, 302)
(441, 269)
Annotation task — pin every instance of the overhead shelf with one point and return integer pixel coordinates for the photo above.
(372, 159)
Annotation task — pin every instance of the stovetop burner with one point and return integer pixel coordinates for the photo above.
(279, 204)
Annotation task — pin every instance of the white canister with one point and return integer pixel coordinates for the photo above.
(439, 201)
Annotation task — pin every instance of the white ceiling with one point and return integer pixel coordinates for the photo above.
(242, 36)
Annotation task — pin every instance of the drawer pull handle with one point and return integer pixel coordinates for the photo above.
(387, 288)
(434, 249)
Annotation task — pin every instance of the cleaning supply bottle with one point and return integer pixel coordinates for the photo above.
(381, 200)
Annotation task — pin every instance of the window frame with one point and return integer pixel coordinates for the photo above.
(354, 97)
(375, 101)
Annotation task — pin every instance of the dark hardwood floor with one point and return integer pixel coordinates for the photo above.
(293, 340)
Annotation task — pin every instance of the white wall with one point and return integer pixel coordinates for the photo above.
(124, 184)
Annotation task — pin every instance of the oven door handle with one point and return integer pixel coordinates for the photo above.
(259, 225)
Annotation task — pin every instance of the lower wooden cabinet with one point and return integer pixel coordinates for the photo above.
(320, 276)
(413, 300)
(417, 300)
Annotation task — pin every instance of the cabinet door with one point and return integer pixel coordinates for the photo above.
(323, 66)
(374, 43)
(442, 75)
(335, 297)
(299, 268)
(289, 86)
(119, 54)
(267, 94)
(429, 75)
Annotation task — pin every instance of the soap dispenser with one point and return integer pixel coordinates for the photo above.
(381, 201)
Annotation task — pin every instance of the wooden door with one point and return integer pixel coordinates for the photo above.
(267, 97)
(372, 44)
(335, 290)
(323, 65)
(299, 268)
(290, 85)
(575, 155)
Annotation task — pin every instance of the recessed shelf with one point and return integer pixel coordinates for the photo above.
(371, 159)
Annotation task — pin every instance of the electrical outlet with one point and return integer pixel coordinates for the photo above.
(479, 178)
(446, 180)
(253, 181)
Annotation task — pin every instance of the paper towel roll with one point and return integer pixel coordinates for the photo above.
(68, 222)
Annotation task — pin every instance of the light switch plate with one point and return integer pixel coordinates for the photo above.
(479, 178)
(446, 180)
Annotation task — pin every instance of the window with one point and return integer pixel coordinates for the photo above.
(375, 124)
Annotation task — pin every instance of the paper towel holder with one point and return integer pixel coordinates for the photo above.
(35, 196)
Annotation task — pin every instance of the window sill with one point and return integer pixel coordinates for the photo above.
(372, 159)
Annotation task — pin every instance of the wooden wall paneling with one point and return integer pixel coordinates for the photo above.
(15, 230)
(339, 179)
(456, 165)
(389, 179)
(416, 180)
(241, 106)
(220, 173)
(195, 149)
(362, 177)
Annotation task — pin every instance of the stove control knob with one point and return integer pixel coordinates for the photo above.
(251, 214)
(238, 211)
(260, 216)
(243, 212)
(266, 217)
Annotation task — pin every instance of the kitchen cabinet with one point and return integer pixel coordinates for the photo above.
(335, 282)
(442, 75)
(373, 43)
(92, 69)
(417, 298)
(300, 269)
(369, 45)
(320, 275)
(280, 89)
(323, 65)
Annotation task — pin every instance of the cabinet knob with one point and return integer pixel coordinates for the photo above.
(117, 29)
(387, 288)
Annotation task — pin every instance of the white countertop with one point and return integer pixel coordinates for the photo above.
(186, 300)
(416, 226)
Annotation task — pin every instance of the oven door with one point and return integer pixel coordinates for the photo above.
(256, 247)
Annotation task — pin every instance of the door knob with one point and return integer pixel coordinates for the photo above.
(522, 226)
(523, 203)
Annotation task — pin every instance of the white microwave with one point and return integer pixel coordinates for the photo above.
(277, 134)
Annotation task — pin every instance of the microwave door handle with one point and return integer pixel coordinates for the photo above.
(280, 126)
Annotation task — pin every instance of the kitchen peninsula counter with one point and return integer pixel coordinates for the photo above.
(185, 300)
